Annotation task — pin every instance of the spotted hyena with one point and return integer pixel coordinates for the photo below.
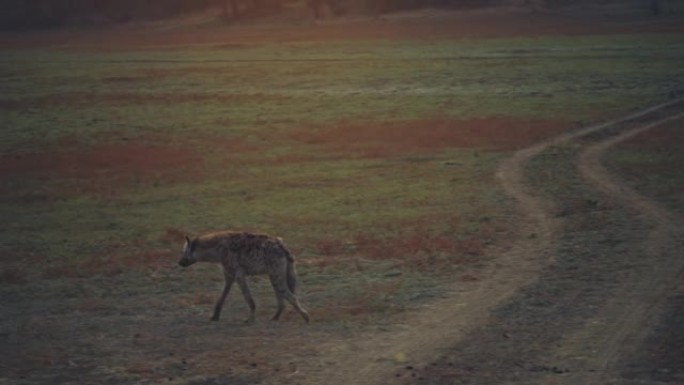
(242, 254)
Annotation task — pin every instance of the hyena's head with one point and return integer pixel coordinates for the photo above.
(188, 257)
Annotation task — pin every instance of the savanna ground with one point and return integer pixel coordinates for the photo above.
(372, 148)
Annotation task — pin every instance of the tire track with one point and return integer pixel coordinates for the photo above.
(488, 352)
(511, 171)
(442, 324)
(623, 324)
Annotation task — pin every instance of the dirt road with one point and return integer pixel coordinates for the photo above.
(616, 262)
(623, 324)
(568, 304)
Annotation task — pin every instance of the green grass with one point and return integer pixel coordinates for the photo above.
(237, 109)
(340, 148)
(284, 85)
(646, 162)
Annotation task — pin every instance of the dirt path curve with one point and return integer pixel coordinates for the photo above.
(622, 325)
(375, 357)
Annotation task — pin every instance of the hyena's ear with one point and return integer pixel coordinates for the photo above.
(191, 244)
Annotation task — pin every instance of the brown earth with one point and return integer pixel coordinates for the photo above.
(540, 313)
(101, 169)
(599, 298)
(430, 25)
(622, 325)
(385, 139)
(108, 164)
(571, 302)
(588, 345)
(106, 169)
(134, 160)
(656, 140)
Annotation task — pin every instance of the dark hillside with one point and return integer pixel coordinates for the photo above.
(17, 15)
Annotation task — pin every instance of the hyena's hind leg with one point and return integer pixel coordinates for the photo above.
(283, 293)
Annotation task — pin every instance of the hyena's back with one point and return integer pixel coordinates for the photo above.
(253, 253)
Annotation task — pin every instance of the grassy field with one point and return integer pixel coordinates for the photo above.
(646, 162)
(374, 160)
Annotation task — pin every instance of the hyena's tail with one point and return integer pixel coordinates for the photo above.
(290, 274)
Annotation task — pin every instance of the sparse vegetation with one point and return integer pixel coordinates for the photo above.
(646, 160)
(374, 160)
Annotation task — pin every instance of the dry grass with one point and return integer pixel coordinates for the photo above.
(122, 159)
(173, 236)
(661, 138)
(103, 170)
(111, 265)
(120, 310)
(113, 99)
(430, 243)
(92, 304)
(360, 308)
(386, 139)
(13, 275)
(646, 162)
(113, 164)
(399, 247)
(194, 299)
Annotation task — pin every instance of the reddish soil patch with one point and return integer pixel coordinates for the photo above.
(107, 166)
(663, 138)
(131, 159)
(174, 236)
(12, 275)
(414, 245)
(112, 264)
(397, 138)
(659, 174)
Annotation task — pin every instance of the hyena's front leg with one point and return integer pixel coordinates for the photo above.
(230, 277)
(242, 281)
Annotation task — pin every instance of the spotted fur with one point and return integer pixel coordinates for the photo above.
(242, 254)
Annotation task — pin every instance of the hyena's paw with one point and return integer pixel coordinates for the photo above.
(214, 318)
